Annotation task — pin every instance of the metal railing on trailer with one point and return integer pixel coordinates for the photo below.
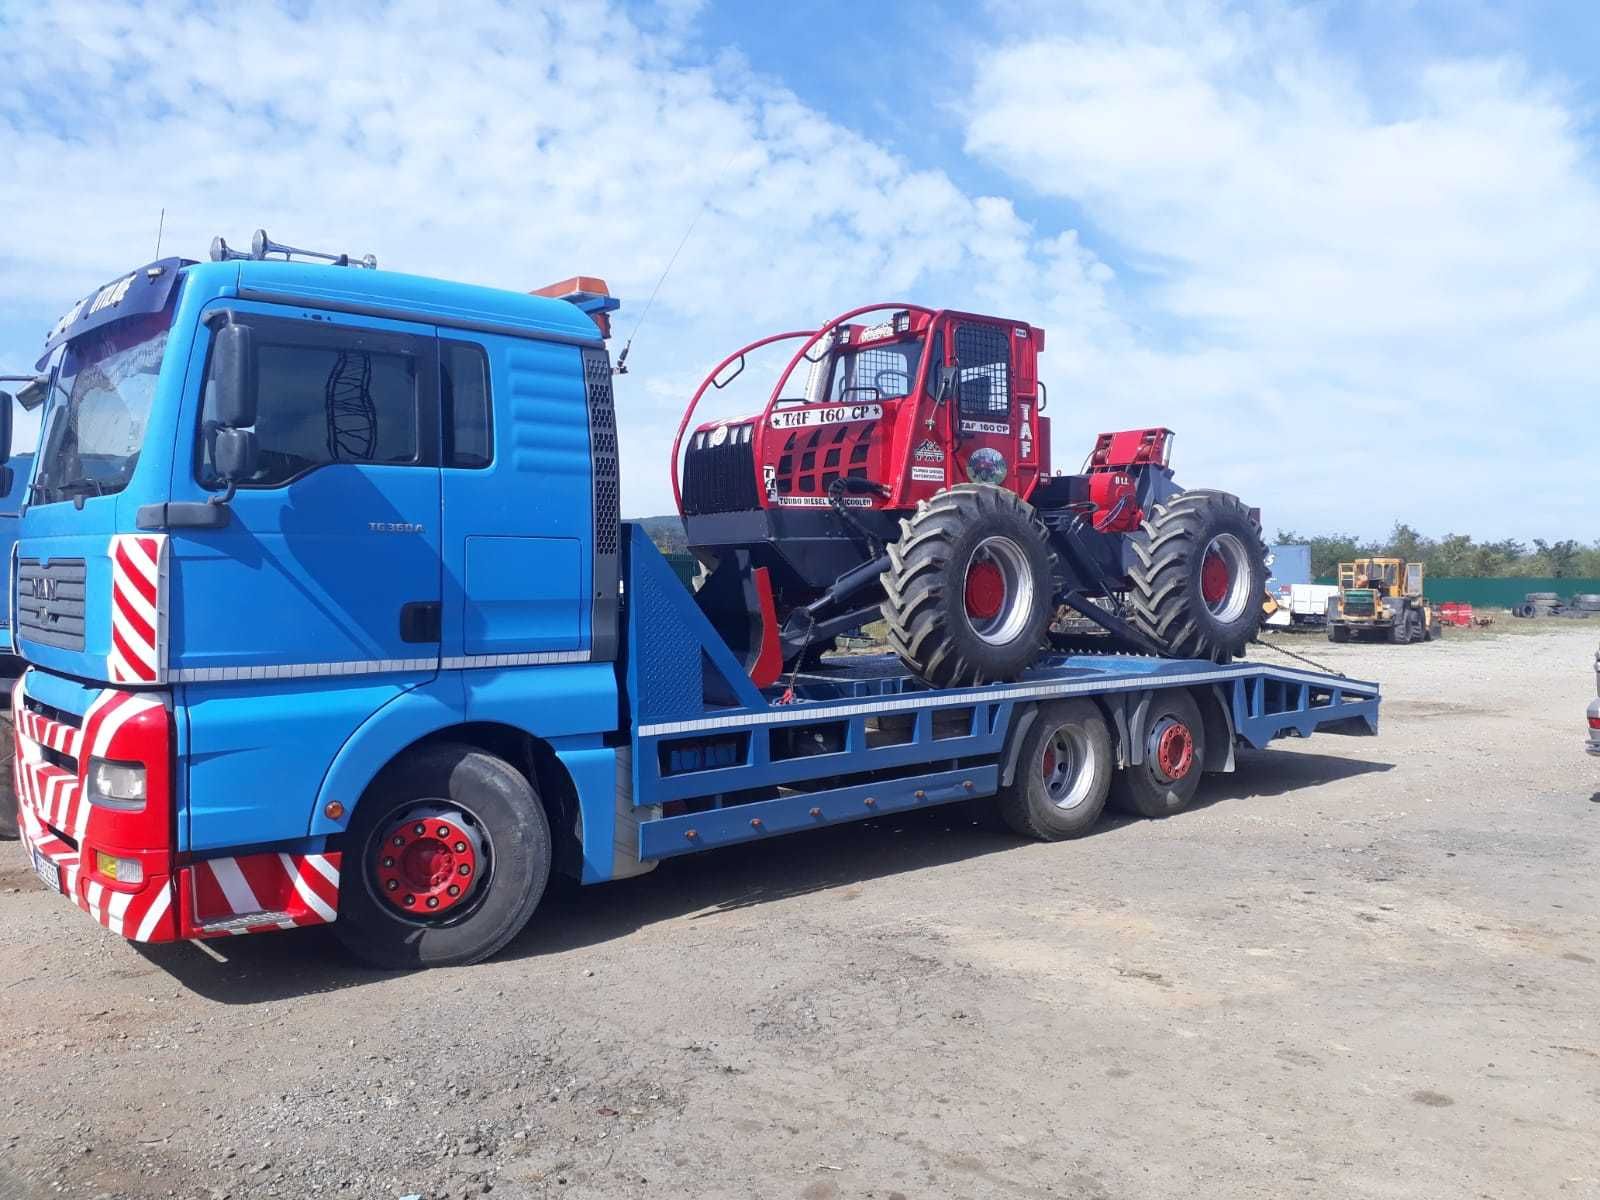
(716, 761)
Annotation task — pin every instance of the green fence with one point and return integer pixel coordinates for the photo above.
(1498, 593)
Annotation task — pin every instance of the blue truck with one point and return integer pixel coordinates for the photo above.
(329, 616)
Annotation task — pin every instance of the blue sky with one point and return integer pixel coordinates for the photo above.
(1347, 250)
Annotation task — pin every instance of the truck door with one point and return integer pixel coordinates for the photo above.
(994, 419)
(318, 601)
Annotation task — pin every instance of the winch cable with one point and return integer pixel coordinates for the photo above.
(1311, 662)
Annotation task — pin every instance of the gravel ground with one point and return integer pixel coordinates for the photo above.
(1360, 967)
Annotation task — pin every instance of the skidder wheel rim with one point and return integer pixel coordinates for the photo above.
(429, 861)
(998, 590)
(1068, 766)
(1171, 750)
(1225, 577)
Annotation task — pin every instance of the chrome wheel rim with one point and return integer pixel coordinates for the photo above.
(1067, 765)
(1225, 577)
(998, 561)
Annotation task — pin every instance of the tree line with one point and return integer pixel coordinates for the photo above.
(1456, 555)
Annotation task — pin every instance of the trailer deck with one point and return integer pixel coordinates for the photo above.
(715, 760)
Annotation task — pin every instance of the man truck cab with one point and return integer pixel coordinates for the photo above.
(270, 504)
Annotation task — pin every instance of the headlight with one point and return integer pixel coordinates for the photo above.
(116, 785)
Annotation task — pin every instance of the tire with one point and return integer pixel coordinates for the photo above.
(1160, 786)
(1338, 633)
(1063, 773)
(1400, 632)
(1199, 572)
(1523, 610)
(968, 594)
(492, 811)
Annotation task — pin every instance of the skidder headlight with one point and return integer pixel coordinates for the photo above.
(116, 785)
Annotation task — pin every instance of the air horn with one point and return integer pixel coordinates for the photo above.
(261, 246)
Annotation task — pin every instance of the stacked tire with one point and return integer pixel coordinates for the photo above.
(1542, 604)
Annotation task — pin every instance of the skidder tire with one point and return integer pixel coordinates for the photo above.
(970, 587)
(445, 861)
(1199, 572)
(1063, 773)
(1174, 754)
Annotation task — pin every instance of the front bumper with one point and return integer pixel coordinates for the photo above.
(61, 831)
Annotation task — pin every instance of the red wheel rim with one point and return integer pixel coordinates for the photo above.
(1048, 764)
(1215, 578)
(428, 863)
(1175, 750)
(986, 591)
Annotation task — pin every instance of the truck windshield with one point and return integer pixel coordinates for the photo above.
(99, 408)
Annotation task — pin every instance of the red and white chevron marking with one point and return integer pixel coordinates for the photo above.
(138, 916)
(286, 890)
(138, 639)
(52, 808)
(54, 794)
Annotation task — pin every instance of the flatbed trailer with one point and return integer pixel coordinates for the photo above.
(726, 763)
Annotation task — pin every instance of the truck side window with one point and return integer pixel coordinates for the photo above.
(468, 425)
(983, 353)
(327, 399)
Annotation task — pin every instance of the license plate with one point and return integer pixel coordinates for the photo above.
(48, 873)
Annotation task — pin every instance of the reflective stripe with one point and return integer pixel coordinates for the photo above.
(797, 712)
(374, 666)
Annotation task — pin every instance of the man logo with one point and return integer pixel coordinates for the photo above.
(44, 588)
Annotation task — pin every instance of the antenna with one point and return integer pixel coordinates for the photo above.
(161, 227)
(622, 359)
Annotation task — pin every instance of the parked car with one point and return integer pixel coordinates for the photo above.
(1594, 710)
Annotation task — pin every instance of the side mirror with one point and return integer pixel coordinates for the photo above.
(6, 413)
(234, 455)
(947, 382)
(233, 372)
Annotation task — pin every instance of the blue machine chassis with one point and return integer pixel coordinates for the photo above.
(716, 761)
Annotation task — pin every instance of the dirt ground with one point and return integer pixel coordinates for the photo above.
(1359, 967)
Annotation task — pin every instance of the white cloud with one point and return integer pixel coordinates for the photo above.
(509, 145)
(1397, 289)
(1325, 287)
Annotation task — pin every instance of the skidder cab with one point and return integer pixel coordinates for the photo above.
(902, 469)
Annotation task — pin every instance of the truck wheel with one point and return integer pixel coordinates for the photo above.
(969, 587)
(445, 861)
(1198, 575)
(1400, 632)
(1063, 773)
(1174, 756)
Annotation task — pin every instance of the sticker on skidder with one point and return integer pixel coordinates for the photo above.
(804, 418)
(1025, 435)
(928, 474)
(987, 465)
(985, 427)
(822, 502)
(929, 452)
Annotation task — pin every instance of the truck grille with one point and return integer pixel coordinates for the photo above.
(50, 602)
(721, 478)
